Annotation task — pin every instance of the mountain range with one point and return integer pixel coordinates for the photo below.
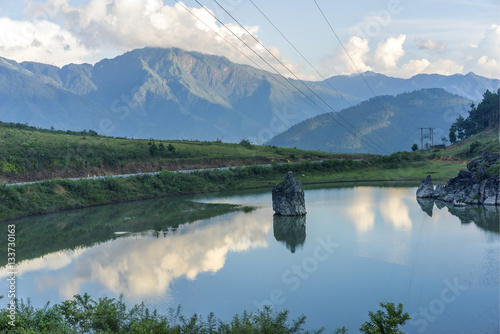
(171, 93)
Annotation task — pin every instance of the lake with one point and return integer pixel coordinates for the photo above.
(356, 247)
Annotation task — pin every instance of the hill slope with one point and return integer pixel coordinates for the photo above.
(392, 127)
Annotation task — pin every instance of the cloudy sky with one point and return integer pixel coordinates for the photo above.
(399, 38)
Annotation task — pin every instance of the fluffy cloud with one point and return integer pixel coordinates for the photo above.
(484, 58)
(429, 44)
(389, 52)
(103, 27)
(340, 62)
(40, 41)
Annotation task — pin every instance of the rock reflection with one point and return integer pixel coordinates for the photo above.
(291, 230)
(486, 217)
(426, 204)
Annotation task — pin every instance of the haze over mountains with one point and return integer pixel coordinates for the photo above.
(172, 93)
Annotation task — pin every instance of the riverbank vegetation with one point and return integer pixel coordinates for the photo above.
(57, 195)
(79, 151)
(82, 314)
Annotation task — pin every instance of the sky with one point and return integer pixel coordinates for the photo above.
(399, 38)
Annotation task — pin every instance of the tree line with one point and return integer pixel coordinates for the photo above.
(482, 117)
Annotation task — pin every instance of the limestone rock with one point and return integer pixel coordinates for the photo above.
(288, 197)
(426, 188)
(472, 186)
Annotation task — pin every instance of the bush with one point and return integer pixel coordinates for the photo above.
(245, 143)
(82, 314)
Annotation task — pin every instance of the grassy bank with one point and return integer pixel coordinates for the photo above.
(31, 154)
(57, 195)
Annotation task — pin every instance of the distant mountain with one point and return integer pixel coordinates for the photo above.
(159, 93)
(382, 125)
(172, 93)
(471, 86)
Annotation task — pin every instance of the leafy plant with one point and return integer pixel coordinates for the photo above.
(388, 322)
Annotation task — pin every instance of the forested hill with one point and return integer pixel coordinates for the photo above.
(387, 122)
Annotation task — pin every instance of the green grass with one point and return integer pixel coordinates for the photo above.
(469, 148)
(25, 149)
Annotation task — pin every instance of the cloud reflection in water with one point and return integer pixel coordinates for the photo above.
(146, 264)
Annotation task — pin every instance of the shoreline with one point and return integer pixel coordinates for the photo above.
(53, 196)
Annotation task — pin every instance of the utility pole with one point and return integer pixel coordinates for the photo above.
(429, 133)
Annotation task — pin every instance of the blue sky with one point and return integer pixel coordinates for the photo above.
(399, 38)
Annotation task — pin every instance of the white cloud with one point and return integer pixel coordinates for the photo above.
(484, 58)
(340, 62)
(389, 52)
(117, 26)
(414, 67)
(429, 44)
(40, 41)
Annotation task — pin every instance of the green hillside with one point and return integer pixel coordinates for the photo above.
(388, 123)
(30, 154)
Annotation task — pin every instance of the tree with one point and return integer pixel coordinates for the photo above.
(386, 323)
(453, 137)
(170, 148)
(153, 148)
(414, 147)
(246, 143)
(481, 117)
(445, 140)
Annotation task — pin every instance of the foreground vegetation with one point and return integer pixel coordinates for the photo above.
(82, 314)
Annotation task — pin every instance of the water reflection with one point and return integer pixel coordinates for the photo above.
(361, 211)
(395, 211)
(486, 217)
(364, 207)
(40, 235)
(291, 230)
(145, 264)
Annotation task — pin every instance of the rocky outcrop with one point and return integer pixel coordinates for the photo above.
(472, 186)
(288, 197)
(426, 188)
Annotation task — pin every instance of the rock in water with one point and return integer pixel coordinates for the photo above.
(426, 188)
(479, 184)
(288, 197)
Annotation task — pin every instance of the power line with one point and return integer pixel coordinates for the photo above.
(297, 78)
(350, 58)
(300, 53)
(314, 68)
(237, 49)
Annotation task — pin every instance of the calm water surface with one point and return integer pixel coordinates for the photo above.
(355, 248)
